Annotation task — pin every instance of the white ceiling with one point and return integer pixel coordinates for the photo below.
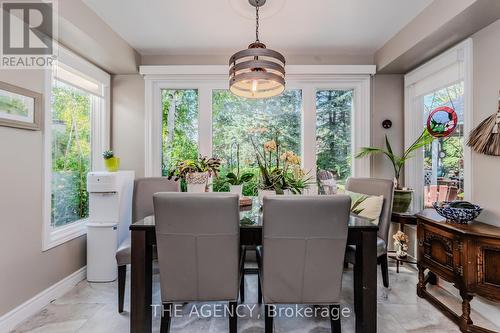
(305, 27)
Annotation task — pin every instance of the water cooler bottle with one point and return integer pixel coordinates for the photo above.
(110, 213)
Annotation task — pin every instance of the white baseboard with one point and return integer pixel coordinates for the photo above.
(16, 316)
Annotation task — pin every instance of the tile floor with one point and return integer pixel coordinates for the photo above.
(92, 308)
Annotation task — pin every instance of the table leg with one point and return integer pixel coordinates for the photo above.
(365, 284)
(141, 286)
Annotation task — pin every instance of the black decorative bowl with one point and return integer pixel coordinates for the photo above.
(457, 214)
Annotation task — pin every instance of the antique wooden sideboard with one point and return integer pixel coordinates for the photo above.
(466, 255)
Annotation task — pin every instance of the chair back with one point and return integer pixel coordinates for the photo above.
(373, 186)
(197, 236)
(303, 248)
(144, 188)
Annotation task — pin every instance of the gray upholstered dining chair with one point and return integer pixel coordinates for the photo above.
(373, 186)
(197, 237)
(304, 241)
(142, 206)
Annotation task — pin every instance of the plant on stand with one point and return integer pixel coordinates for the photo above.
(402, 196)
(237, 180)
(196, 173)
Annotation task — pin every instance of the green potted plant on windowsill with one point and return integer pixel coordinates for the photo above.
(111, 162)
(402, 196)
(196, 173)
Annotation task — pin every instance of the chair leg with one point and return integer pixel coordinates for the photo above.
(233, 318)
(385, 270)
(335, 318)
(259, 290)
(166, 318)
(122, 276)
(268, 319)
(242, 287)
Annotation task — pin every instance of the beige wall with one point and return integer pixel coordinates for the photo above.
(25, 269)
(127, 138)
(387, 103)
(486, 169)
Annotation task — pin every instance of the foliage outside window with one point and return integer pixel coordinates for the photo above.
(236, 120)
(443, 158)
(180, 127)
(333, 132)
(71, 155)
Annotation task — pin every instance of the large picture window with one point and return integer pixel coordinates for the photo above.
(238, 123)
(333, 132)
(179, 126)
(441, 171)
(322, 116)
(71, 159)
(75, 135)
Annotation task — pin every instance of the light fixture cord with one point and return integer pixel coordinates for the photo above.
(257, 21)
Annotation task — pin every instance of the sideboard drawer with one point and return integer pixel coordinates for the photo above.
(488, 268)
(438, 251)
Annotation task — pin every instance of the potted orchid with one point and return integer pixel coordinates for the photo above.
(196, 173)
(236, 179)
(280, 172)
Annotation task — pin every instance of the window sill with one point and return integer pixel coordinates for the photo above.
(60, 235)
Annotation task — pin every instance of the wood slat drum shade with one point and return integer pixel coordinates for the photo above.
(257, 72)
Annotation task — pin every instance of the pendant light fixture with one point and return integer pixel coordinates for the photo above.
(257, 72)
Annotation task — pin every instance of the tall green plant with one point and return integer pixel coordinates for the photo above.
(398, 162)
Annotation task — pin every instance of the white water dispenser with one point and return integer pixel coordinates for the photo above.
(110, 213)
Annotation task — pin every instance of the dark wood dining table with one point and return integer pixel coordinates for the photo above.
(362, 233)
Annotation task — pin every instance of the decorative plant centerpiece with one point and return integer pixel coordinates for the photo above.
(196, 173)
(401, 241)
(280, 172)
(111, 163)
(237, 180)
(402, 196)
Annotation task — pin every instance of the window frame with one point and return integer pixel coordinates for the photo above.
(100, 140)
(461, 55)
(308, 78)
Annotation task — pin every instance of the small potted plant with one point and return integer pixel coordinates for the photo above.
(111, 163)
(402, 196)
(196, 173)
(235, 180)
(401, 244)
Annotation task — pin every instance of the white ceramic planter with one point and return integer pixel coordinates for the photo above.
(263, 193)
(236, 189)
(197, 182)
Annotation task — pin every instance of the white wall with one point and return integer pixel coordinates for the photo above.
(486, 169)
(127, 140)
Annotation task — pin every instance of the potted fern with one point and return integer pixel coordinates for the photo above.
(402, 196)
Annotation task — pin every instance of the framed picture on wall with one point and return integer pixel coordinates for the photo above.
(20, 108)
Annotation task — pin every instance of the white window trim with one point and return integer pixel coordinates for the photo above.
(52, 236)
(463, 55)
(307, 78)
